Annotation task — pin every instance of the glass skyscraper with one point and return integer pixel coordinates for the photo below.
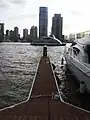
(43, 21)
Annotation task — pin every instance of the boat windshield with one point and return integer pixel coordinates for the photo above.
(76, 50)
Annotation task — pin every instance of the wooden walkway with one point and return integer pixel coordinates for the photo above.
(40, 105)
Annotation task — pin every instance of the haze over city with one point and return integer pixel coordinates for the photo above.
(25, 13)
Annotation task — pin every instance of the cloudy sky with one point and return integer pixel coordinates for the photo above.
(24, 13)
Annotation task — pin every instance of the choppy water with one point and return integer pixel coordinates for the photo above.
(18, 64)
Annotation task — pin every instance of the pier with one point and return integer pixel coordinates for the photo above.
(42, 103)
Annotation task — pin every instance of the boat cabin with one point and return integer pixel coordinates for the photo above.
(81, 50)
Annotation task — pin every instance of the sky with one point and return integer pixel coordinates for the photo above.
(25, 13)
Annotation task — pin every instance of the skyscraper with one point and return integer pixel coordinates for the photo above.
(16, 30)
(25, 33)
(7, 32)
(7, 36)
(57, 24)
(11, 35)
(33, 32)
(1, 32)
(43, 21)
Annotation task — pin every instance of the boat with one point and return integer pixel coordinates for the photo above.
(77, 56)
(49, 41)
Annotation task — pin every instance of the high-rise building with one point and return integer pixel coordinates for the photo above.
(33, 32)
(25, 33)
(7, 36)
(57, 24)
(43, 21)
(16, 31)
(7, 32)
(1, 32)
(11, 35)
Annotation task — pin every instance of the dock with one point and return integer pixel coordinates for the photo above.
(42, 103)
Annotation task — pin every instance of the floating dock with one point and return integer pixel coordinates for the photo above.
(41, 103)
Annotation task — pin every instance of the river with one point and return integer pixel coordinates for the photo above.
(18, 65)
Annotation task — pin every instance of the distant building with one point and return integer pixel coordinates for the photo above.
(43, 22)
(71, 37)
(82, 34)
(16, 32)
(7, 36)
(65, 37)
(33, 33)
(78, 35)
(19, 36)
(11, 35)
(25, 33)
(7, 32)
(1, 32)
(57, 25)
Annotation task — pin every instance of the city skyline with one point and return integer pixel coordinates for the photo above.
(24, 14)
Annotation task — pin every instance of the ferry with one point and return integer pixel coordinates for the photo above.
(77, 57)
(49, 41)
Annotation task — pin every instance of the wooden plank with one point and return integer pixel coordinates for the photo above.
(30, 117)
(7, 117)
(1, 117)
(25, 117)
(76, 117)
(45, 118)
(56, 118)
(86, 118)
(41, 117)
(19, 117)
(68, 118)
(35, 117)
(14, 117)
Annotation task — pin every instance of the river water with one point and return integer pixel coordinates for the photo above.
(18, 65)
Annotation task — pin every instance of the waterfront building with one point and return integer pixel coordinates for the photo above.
(11, 35)
(7, 36)
(33, 33)
(1, 32)
(66, 37)
(43, 22)
(57, 25)
(71, 37)
(25, 33)
(16, 32)
(82, 34)
(7, 33)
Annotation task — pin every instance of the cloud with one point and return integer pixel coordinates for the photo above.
(23, 16)
(4, 4)
(18, 2)
(73, 12)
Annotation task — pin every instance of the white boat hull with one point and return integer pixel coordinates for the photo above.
(81, 71)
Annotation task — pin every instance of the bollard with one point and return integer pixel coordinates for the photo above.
(44, 51)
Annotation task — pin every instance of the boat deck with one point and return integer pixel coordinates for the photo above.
(40, 104)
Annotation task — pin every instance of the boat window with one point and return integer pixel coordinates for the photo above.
(88, 52)
(76, 50)
(70, 51)
(73, 44)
